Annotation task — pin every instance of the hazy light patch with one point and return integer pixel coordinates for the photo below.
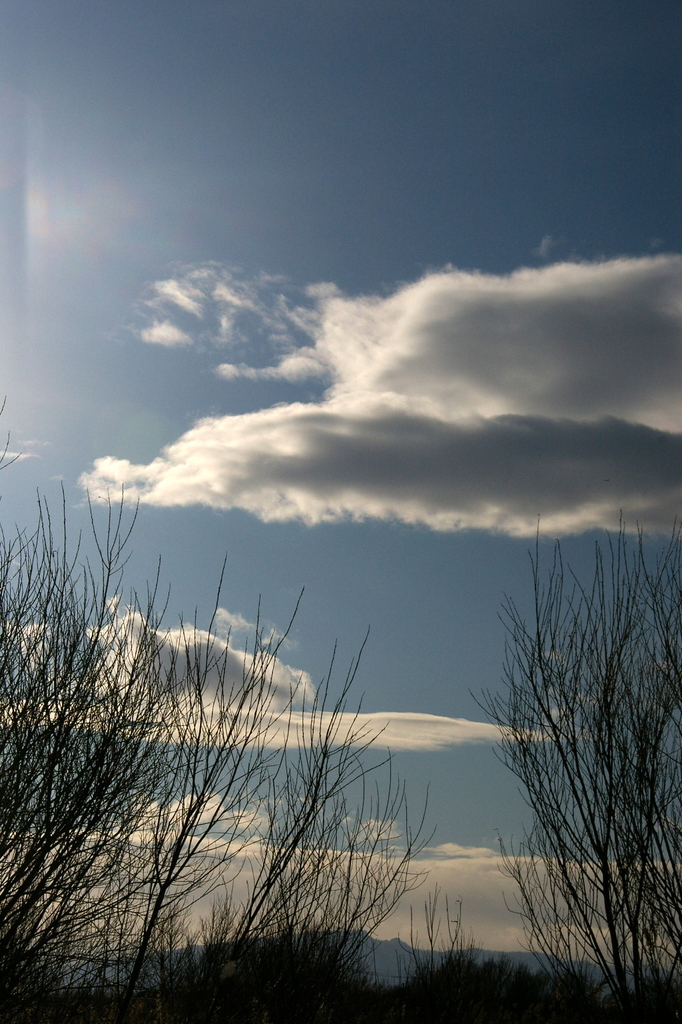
(547, 243)
(89, 216)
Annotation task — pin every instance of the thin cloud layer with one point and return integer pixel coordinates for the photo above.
(396, 730)
(473, 874)
(463, 400)
(406, 730)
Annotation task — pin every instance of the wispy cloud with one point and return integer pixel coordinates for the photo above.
(547, 243)
(463, 400)
(413, 731)
(212, 304)
(296, 366)
(181, 293)
(397, 731)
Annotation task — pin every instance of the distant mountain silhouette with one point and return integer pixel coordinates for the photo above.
(390, 961)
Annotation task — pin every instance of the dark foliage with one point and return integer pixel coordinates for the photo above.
(278, 983)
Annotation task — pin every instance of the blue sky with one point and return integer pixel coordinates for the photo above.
(351, 293)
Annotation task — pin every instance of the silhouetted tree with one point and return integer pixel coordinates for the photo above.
(591, 724)
(140, 774)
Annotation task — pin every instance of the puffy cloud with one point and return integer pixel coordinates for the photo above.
(163, 332)
(317, 463)
(229, 623)
(227, 665)
(462, 400)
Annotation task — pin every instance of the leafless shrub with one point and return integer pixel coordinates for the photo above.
(140, 775)
(592, 726)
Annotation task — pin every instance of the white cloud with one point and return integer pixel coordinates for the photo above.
(229, 307)
(235, 663)
(233, 626)
(9, 456)
(463, 400)
(233, 622)
(228, 665)
(235, 295)
(163, 332)
(472, 873)
(296, 366)
(413, 731)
